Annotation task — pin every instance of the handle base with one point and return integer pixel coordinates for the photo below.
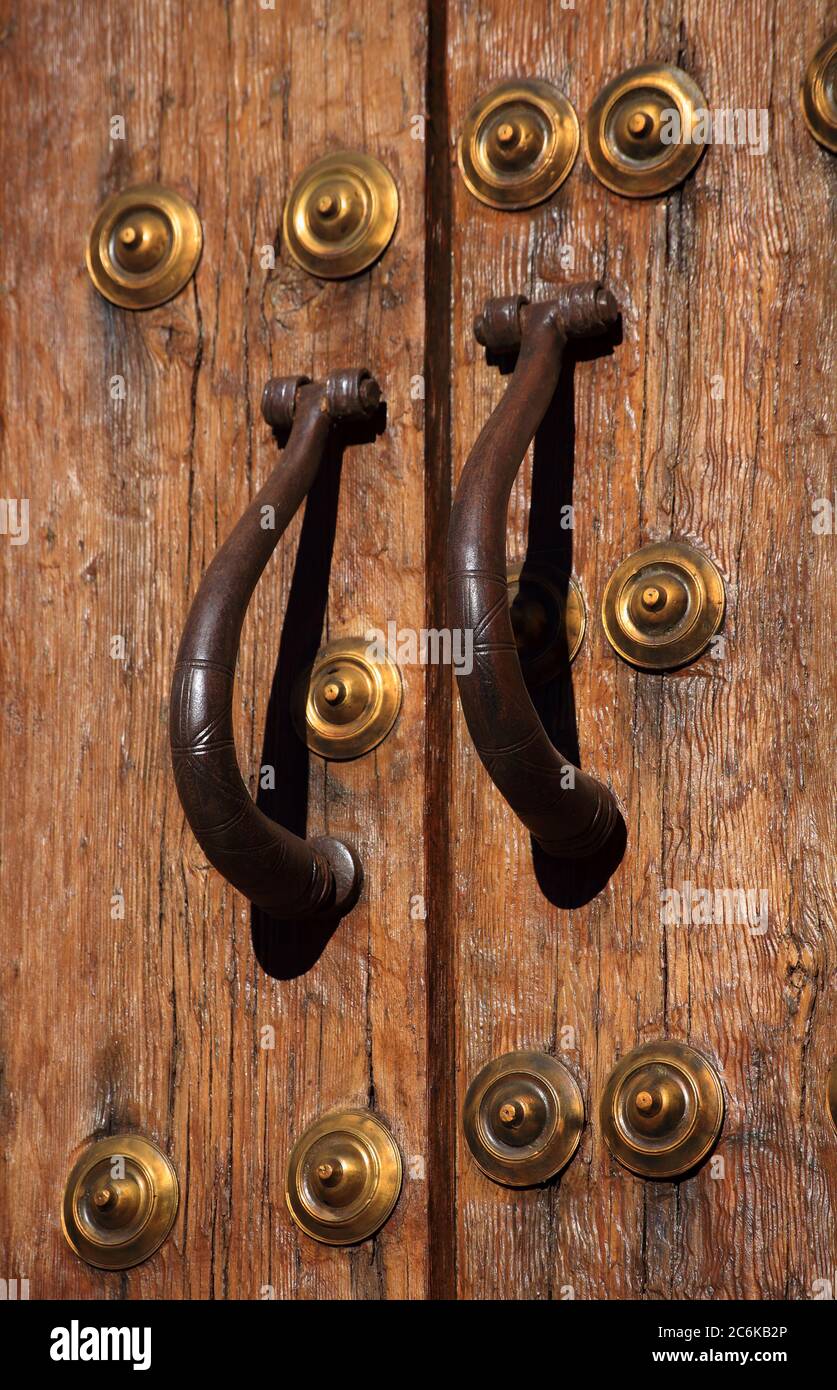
(347, 869)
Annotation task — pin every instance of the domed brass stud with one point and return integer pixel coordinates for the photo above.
(819, 94)
(548, 618)
(340, 214)
(663, 605)
(143, 246)
(662, 1109)
(344, 1177)
(639, 135)
(831, 1093)
(347, 702)
(518, 144)
(523, 1118)
(120, 1202)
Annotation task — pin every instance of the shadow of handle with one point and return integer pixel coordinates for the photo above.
(287, 876)
(568, 813)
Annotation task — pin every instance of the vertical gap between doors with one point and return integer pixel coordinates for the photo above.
(441, 1065)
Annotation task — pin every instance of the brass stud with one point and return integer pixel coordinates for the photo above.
(662, 1109)
(518, 144)
(120, 1202)
(344, 1177)
(523, 1117)
(340, 214)
(143, 246)
(663, 605)
(819, 94)
(548, 618)
(347, 702)
(639, 136)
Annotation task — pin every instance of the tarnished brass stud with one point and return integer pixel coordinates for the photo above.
(639, 136)
(143, 246)
(662, 1109)
(340, 214)
(523, 1117)
(344, 1177)
(518, 144)
(120, 1202)
(663, 605)
(548, 619)
(819, 94)
(347, 702)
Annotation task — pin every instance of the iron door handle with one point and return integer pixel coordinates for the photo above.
(567, 821)
(285, 875)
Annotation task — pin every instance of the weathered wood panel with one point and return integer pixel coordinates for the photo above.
(723, 771)
(154, 1021)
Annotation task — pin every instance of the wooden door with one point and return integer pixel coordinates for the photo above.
(139, 995)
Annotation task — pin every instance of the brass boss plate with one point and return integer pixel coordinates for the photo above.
(143, 246)
(344, 1177)
(523, 1118)
(663, 605)
(347, 702)
(518, 144)
(340, 214)
(548, 618)
(629, 129)
(661, 1110)
(819, 94)
(120, 1202)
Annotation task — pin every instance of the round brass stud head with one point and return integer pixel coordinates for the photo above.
(348, 701)
(662, 1109)
(120, 1202)
(523, 1118)
(639, 136)
(340, 214)
(819, 94)
(663, 605)
(344, 1177)
(548, 618)
(518, 144)
(143, 246)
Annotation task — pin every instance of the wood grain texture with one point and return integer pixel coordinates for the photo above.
(724, 770)
(155, 1022)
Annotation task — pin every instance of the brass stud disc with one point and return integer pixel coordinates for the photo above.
(340, 214)
(523, 1118)
(344, 1177)
(549, 620)
(663, 605)
(639, 133)
(662, 1109)
(831, 1093)
(143, 246)
(819, 94)
(518, 144)
(120, 1202)
(348, 701)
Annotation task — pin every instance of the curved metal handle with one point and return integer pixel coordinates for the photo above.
(288, 877)
(568, 815)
